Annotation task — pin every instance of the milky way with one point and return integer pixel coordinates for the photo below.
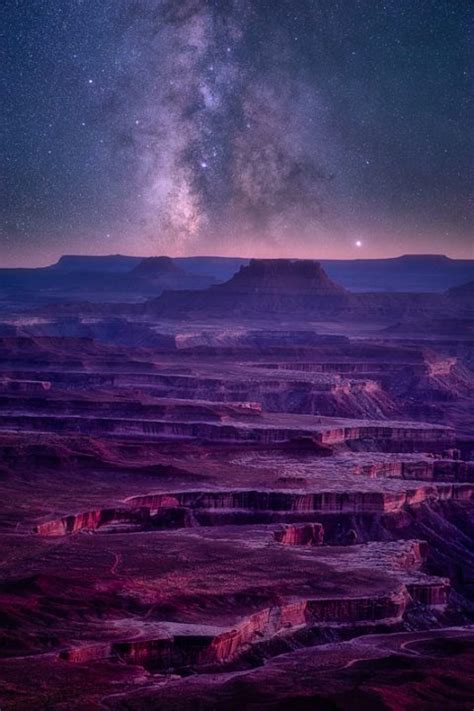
(298, 127)
(222, 144)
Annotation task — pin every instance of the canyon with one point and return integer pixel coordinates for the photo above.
(245, 492)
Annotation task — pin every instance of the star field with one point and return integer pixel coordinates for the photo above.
(319, 128)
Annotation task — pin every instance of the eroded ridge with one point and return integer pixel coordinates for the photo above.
(194, 508)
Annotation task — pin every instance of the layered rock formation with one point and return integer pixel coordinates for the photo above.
(196, 514)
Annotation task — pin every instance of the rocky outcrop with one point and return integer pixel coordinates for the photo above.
(431, 592)
(86, 653)
(195, 645)
(94, 520)
(389, 608)
(305, 534)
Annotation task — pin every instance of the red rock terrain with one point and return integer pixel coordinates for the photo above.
(234, 514)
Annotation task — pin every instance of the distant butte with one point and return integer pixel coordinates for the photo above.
(276, 276)
(264, 286)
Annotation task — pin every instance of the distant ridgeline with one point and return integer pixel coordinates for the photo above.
(302, 288)
(219, 285)
(412, 272)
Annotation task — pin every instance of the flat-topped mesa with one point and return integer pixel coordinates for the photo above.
(280, 276)
(264, 286)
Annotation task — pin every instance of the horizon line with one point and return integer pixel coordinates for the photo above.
(241, 258)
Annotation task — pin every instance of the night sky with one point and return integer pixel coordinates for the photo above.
(317, 128)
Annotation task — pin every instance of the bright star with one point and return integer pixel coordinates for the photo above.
(358, 243)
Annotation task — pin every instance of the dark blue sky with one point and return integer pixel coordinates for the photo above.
(283, 127)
